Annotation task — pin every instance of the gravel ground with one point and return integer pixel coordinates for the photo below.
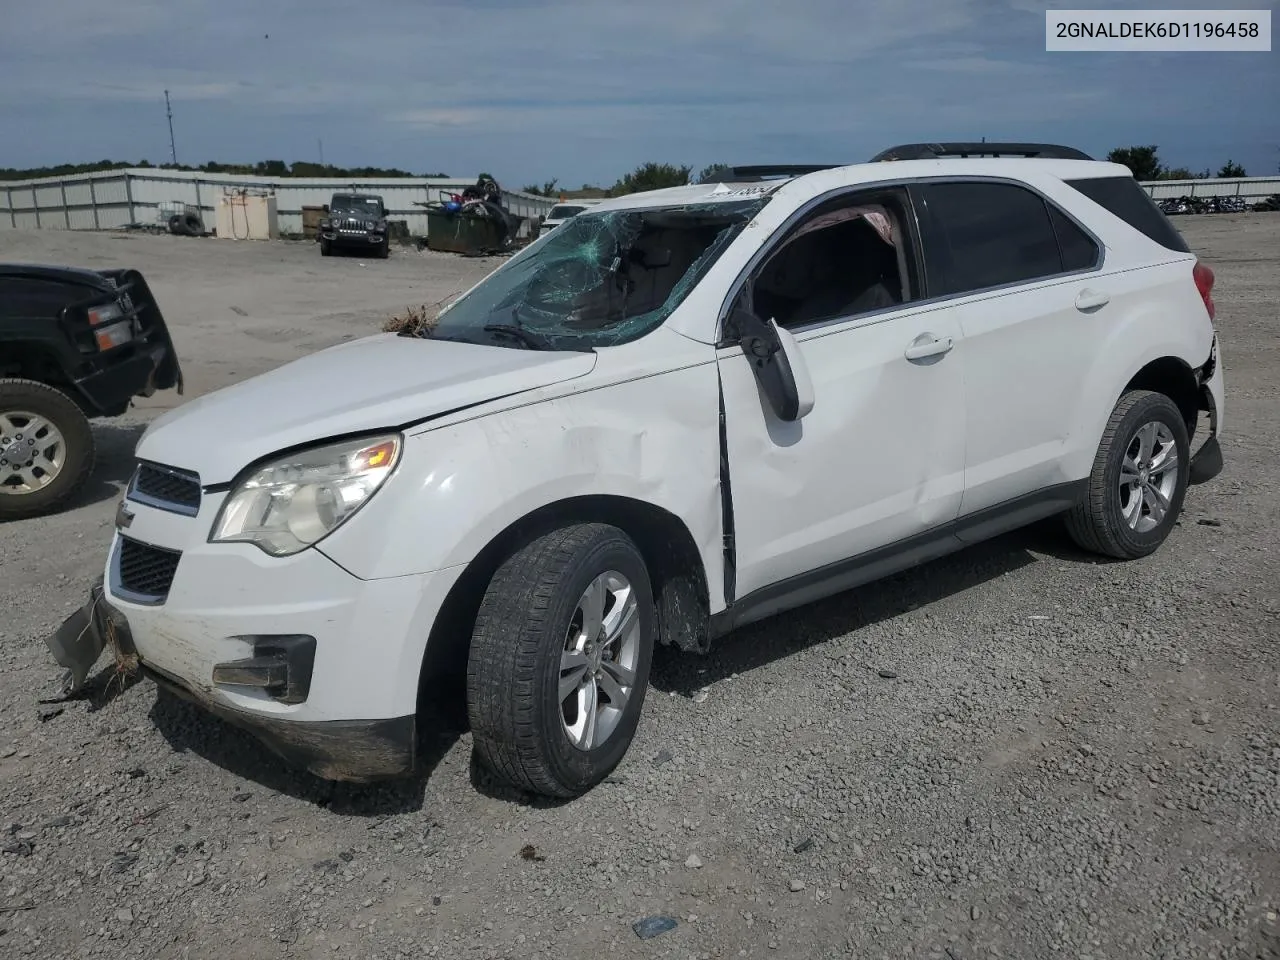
(1015, 752)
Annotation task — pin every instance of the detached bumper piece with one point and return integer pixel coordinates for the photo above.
(1207, 462)
(79, 642)
(360, 751)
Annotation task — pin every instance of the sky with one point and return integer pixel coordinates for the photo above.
(585, 90)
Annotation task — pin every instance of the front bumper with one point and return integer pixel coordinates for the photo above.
(322, 666)
(345, 238)
(352, 750)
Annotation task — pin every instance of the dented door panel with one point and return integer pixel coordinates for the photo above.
(878, 459)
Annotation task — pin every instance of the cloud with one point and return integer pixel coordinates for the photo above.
(579, 89)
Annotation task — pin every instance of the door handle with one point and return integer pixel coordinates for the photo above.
(1092, 299)
(922, 349)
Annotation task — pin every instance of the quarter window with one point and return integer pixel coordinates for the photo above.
(1079, 250)
(984, 235)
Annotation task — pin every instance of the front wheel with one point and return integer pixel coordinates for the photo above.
(325, 249)
(1139, 479)
(46, 449)
(559, 660)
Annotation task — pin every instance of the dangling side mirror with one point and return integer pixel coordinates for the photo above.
(778, 365)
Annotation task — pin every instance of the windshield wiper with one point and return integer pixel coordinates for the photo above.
(528, 338)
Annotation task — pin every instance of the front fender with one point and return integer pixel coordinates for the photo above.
(458, 486)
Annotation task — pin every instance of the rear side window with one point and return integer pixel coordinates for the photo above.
(1123, 197)
(983, 235)
(1079, 250)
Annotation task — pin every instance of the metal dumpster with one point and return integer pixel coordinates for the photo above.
(460, 233)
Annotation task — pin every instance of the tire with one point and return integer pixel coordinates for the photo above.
(1098, 522)
(193, 226)
(529, 618)
(325, 249)
(20, 402)
(384, 251)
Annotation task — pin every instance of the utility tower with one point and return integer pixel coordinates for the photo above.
(173, 150)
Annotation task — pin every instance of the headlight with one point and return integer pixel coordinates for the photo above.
(287, 505)
(370, 224)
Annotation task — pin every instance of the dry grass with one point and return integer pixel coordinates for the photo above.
(126, 663)
(417, 321)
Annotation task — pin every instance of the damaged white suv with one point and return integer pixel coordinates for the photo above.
(677, 413)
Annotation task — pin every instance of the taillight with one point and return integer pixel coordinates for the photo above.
(1203, 277)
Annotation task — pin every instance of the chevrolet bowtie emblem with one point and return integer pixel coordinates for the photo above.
(123, 516)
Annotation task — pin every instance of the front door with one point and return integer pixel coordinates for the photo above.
(880, 457)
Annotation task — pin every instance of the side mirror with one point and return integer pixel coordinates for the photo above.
(778, 365)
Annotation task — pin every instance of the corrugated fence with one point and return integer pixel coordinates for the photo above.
(116, 198)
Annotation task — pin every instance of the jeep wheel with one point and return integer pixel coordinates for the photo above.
(325, 249)
(1139, 479)
(384, 250)
(46, 449)
(559, 660)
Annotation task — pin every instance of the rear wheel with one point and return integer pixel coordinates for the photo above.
(559, 660)
(46, 449)
(1139, 479)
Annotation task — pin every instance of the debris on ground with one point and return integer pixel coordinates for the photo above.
(651, 927)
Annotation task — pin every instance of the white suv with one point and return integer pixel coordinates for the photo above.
(680, 412)
(565, 211)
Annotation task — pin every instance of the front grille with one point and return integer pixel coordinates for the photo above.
(144, 570)
(352, 225)
(166, 488)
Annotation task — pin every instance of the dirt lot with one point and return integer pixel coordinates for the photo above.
(1075, 759)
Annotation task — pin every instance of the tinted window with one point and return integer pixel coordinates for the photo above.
(1128, 201)
(986, 235)
(1079, 251)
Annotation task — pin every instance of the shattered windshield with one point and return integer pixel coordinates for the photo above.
(599, 279)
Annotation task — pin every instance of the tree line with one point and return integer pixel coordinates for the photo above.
(263, 168)
(1144, 161)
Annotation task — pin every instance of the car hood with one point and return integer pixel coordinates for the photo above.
(379, 382)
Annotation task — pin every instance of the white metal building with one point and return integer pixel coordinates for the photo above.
(114, 198)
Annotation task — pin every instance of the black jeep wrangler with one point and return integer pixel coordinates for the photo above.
(74, 344)
(355, 220)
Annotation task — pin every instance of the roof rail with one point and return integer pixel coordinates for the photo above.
(933, 151)
(773, 171)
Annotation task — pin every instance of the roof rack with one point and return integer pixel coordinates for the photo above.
(776, 171)
(933, 151)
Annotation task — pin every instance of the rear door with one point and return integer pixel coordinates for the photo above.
(1022, 278)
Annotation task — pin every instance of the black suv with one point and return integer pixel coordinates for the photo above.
(355, 220)
(74, 344)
